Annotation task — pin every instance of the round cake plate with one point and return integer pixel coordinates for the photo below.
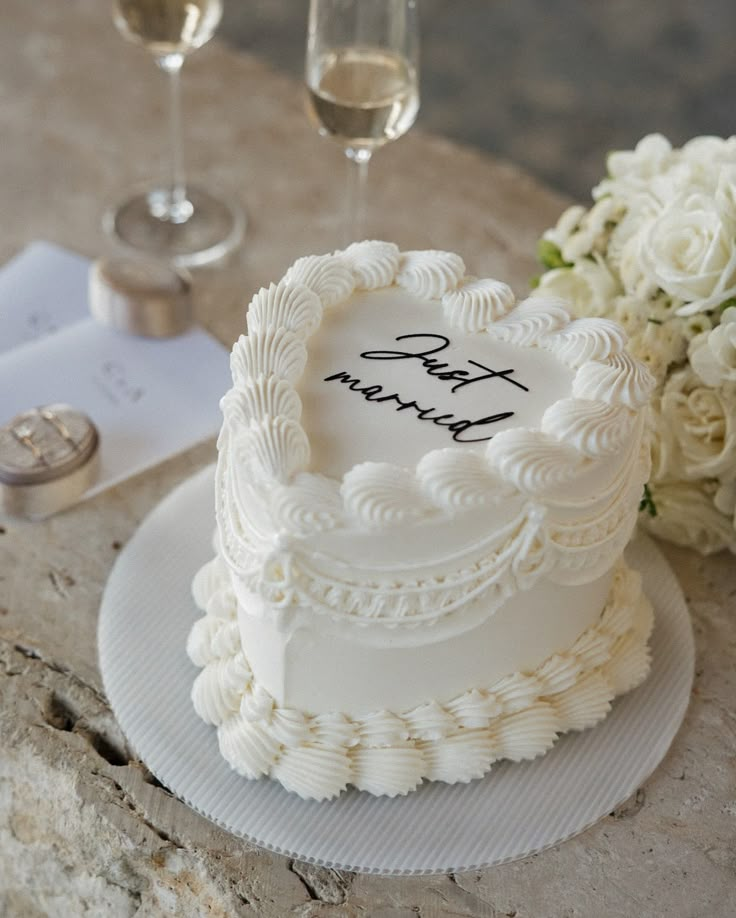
(517, 809)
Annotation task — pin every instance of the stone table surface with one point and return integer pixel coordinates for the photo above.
(84, 828)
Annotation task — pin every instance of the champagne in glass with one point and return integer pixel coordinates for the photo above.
(179, 221)
(168, 26)
(362, 81)
(364, 96)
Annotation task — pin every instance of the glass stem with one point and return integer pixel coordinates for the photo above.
(176, 207)
(358, 159)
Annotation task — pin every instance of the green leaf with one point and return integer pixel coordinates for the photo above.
(731, 301)
(534, 282)
(550, 255)
(646, 504)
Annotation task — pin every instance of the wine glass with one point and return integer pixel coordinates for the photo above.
(361, 72)
(182, 222)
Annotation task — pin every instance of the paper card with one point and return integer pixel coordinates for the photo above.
(149, 398)
(42, 289)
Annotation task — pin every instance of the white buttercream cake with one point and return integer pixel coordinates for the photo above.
(423, 493)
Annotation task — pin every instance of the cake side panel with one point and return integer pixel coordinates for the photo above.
(317, 665)
(452, 739)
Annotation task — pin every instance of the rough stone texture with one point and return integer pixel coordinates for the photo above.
(84, 829)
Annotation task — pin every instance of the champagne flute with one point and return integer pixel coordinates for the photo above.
(182, 222)
(362, 79)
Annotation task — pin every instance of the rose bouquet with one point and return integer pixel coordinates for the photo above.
(657, 253)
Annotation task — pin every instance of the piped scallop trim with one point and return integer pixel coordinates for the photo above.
(266, 493)
(430, 274)
(374, 264)
(476, 303)
(268, 363)
(389, 753)
(288, 572)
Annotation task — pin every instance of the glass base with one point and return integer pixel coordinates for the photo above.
(212, 229)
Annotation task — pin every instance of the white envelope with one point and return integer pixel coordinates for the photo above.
(42, 290)
(149, 398)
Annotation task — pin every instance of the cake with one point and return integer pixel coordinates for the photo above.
(423, 493)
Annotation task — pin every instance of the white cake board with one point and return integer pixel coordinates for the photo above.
(516, 810)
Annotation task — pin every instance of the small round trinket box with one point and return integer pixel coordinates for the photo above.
(140, 296)
(49, 456)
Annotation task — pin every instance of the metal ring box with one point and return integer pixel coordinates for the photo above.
(49, 456)
(140, 296)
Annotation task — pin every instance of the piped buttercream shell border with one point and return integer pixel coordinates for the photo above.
(391, 753)
(262, 410)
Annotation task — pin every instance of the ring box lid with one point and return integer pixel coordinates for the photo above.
(45, 444)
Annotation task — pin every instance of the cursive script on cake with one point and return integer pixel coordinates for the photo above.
(458, 427)
(442, 370)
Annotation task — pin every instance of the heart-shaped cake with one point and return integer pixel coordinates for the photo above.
(423, 493)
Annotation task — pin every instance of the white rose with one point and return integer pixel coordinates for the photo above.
(684, 176)
(665, 453)
(710, 152)
(689, 250)
(631, 171)
(704, 424)
(713, 354)
(625, 254)
(686, 515)
(588, 288)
